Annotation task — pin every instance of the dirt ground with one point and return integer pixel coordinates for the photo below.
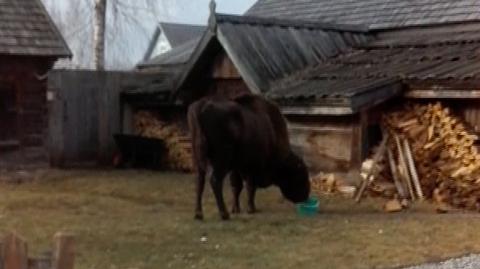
(140, 220)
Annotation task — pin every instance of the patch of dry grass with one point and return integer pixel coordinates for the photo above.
(138, 219)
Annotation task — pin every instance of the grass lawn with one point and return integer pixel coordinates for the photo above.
(131, 219)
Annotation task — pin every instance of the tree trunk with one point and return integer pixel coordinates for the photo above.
(99, 34)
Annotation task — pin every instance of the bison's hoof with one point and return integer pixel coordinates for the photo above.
(198, 216)
(252, 210)
(225, 216)
(236, 210)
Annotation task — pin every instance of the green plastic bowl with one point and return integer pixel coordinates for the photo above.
(308, 208)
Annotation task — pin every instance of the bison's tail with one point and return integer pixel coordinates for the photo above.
(197, 136)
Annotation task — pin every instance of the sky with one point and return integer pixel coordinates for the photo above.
(137, 23)
(198, 11)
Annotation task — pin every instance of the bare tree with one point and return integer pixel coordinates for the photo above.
(73, 18)
(107, 34)
(99, 34)
(127, 15)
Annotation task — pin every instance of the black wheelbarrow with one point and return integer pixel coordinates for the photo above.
(139, 152)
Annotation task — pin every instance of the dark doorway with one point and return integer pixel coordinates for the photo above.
(8, 116)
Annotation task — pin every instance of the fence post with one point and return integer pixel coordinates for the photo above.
(14, 252)
(64, 251)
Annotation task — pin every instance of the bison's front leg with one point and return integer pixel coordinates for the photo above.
(200, 186)
(217, 186)
(251, 190)
(237, 186)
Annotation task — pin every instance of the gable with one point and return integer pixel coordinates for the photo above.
(377, 14)
(27, 29)
(265, 50)
(179, 34)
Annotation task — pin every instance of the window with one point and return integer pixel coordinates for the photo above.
(8, 115)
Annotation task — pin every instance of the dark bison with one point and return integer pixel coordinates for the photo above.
(247, 137)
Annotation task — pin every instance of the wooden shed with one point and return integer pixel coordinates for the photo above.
(247, 54)
(332, 80)
(29, 45)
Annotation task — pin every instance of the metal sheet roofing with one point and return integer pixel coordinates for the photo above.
(377, 14)
(176, 56)
(264, 50)
(178, 34)
(27, 29)
(361, 70)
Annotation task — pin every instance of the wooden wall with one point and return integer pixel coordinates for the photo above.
(467, 110)
(327, 144)
(27, 144)
(226, 81)
(85, 113)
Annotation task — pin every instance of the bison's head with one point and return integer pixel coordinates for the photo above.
(292, 178)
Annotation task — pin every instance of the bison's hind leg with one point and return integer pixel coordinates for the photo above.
(216, 182)
(251, 190)
(236, 182)
(200, 186)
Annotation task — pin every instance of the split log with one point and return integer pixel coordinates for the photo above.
(371, 173)
(413, 170)
(404, 168)
(394, 171)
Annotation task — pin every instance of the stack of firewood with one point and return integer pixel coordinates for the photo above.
(430, 154)
(179, 155)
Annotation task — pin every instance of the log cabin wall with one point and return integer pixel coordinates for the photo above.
(23, 90)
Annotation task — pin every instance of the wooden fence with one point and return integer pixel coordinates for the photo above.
(85, 113)
(15, 254)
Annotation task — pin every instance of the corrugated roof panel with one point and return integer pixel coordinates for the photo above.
(272, 49)
(352, 74)
(378, 14)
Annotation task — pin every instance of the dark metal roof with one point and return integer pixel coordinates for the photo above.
(353, 73)
(377, 14)
(183, 39)
(264, 50)
(178, 34)
(149, 89)
(27, 29)
(176, 56)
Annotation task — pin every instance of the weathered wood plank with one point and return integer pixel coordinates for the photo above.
(86, 113)
(64, 252)
(443, 94)
(15, 252)
(371, 174)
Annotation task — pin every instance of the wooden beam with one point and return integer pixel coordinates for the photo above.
(396, 179)
(319, 129)
(404, 168)
(64, 252)
(14, 252)
(413, 169)
(450, 94)
(317, 110)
